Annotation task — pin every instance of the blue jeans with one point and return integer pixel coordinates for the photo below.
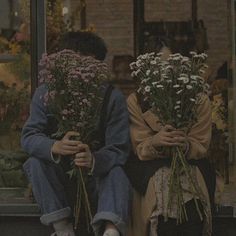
(113, 193)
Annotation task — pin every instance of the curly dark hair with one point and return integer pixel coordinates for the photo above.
(87, 43)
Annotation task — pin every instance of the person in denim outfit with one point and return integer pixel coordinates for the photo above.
(44, 169)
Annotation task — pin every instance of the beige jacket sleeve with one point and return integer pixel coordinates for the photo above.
(141, 133)
(200, 134)
(143, 126)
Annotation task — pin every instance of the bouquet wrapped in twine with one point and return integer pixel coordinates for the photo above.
(75, 98)
(173, 89)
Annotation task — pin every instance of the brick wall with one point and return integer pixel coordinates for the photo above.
(215, 14)
(113, 20)
(168, 10)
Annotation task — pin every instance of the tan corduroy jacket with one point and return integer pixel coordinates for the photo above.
(143, 126)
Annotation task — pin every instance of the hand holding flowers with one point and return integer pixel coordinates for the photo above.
(75, 99)
(67, 147)
(168, 136)
(84, 157)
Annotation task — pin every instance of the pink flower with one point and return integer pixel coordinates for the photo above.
(45, 98)
(79, 124)
(73, 83)
(52, 94)
(75, 93)
(65, 112)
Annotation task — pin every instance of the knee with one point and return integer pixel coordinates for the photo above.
(118, 175)
(32, 165)
(116, 172)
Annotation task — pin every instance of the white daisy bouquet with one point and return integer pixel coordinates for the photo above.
(173, 88)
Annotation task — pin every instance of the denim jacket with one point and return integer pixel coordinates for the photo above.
(36, 141)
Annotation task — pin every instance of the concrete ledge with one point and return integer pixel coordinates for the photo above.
(19, 210)
(225, 212)
(14, 202)
(23, 226)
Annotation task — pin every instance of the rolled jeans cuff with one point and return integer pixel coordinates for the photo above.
(99, 218)
(55, 216)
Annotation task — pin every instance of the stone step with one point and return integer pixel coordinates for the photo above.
(23, 226)
(31, 226)
(19, 216)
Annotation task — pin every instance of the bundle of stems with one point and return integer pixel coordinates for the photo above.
(180, 167)
(81, 199)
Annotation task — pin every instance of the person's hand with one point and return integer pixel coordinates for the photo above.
(169, 136)
(182, 139)
(66, 146)
(84, 157)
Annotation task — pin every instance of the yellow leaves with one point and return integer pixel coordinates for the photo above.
(15, 48)
(90, 28)
(4, 45)
(9, 47)
(217, 106)
(3, 41)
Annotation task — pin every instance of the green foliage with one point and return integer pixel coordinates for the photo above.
(20, 67)
(12, 103)
(55, 24)
(11, 174)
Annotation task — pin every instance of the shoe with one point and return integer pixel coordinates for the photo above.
(111, 232)
(62, 234)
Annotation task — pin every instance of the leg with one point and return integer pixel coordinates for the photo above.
(192, 228)
(194, 225)
(114, 195)
(47, 181)
(168, 228)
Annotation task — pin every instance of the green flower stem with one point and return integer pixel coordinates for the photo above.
(85, 194)
(81, 195)
(192, 185)
(179, 192)
(171, 184)
(77, 207)
(179, 166)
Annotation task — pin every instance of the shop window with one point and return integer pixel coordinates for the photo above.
(63, 16)
(191, 26)
(15, 81)
(185, 30)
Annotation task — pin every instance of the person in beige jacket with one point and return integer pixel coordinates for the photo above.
(148, 170)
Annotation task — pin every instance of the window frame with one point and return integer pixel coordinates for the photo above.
(38, 37)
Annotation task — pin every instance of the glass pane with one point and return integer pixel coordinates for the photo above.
(156, 10)
(225, 123)
(62, 16)
(112, 20)
(222, 81)
(211, 33)
(14, 88)
(208, 27)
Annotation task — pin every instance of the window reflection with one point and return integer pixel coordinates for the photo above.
(14, 88)
(62, 16)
